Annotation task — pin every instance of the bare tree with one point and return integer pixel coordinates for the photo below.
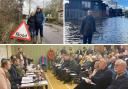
(9, 13)
(53, 7)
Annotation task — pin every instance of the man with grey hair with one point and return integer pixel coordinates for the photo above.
(120, 81)
(88, 28)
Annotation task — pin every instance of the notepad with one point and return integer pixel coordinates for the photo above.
(33, 75)
(29, 73)
(27, 85)
(28, 79)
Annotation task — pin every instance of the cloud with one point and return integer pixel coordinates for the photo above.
(34, 4)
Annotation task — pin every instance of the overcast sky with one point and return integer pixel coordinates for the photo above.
(34, 4)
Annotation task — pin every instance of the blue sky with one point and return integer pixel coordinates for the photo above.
(122, 2)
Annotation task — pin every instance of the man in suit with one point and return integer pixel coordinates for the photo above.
(15, 77)
(88, 28)
(101, 76)
(120, 81)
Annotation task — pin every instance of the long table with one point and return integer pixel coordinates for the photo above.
(34, 79)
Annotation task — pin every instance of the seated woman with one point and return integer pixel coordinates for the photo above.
(101, 77)
(4, 77)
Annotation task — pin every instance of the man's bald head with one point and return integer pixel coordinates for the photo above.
(120, 66)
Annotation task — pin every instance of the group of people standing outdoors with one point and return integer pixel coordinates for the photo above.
(35, 23)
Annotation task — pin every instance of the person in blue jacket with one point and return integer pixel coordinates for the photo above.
(39, 19)
(43, 62)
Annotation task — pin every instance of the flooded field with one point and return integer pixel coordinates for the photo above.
(109, 31)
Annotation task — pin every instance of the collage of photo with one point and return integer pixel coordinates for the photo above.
(63, 44)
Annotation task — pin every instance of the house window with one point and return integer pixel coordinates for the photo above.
(86, 4)
(96, 6)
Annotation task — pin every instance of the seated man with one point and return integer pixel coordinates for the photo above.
(101, 78)
(64, 65)
(74, 66)
(15, 77)
(120, 81)
(4, 76)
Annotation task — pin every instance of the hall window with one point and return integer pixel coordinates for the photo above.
(86, 4)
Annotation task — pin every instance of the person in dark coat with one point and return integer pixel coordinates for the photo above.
(14, 75)
(74, 66)
(65, 65)
(120, 80)
(31, 23)
(102, 77)
(88, 28)
(39, 23)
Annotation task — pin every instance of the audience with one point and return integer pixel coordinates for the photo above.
(101, 77)
(83, 62)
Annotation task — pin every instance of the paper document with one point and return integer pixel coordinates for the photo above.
(27, 85)
(44, 82)
(88, 80)
(29, 73)
(27, 79)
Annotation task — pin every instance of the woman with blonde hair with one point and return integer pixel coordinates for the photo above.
(31, 23)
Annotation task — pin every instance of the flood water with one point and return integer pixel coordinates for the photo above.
(109, 31)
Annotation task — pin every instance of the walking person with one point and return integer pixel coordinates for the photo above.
(88, 28)
(31, 23)
(39, 16)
